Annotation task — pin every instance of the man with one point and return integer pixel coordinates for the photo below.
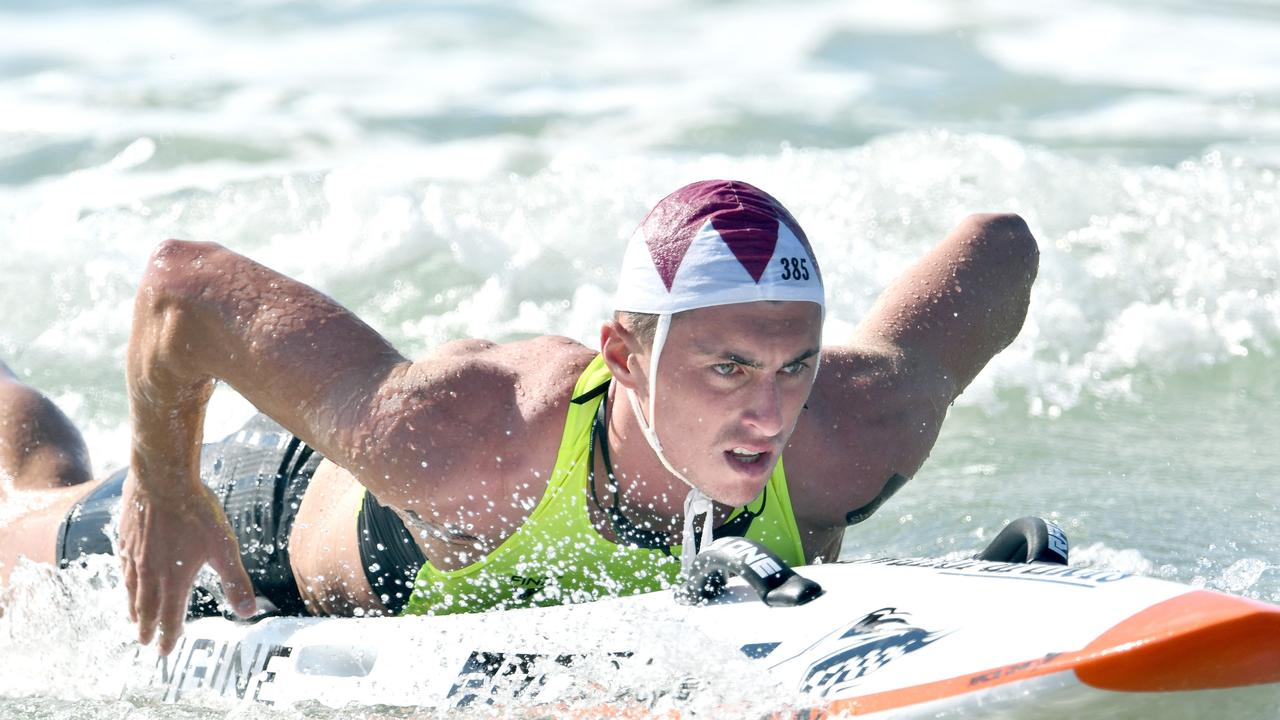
(536, 472)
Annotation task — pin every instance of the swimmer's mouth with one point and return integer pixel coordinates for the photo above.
(745, 456)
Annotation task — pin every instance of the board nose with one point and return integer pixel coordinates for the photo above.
(1202, 640)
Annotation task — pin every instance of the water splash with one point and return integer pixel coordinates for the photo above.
(65, 634)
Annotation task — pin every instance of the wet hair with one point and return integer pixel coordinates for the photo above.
(643, 325)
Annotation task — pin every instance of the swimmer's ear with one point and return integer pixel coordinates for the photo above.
(624, 354)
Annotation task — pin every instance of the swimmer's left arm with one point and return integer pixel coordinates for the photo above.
(962, 303)
(878, 403)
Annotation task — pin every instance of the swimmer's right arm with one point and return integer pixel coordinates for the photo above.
(203, 313)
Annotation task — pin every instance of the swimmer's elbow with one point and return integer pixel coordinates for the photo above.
(166, 302)
(175, 267)
(1007, 236)
(177, 275)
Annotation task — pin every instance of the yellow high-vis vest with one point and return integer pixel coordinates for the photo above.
(557, 557)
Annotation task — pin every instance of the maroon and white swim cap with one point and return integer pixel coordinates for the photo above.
(716, 242)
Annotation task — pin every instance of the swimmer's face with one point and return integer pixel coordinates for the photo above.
(732, 382)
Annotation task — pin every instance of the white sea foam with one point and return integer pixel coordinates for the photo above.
(65, 634)
(1143, 271)
(1243, 575)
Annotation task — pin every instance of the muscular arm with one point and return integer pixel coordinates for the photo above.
(879, 402)
(204, 313)
(961, 303)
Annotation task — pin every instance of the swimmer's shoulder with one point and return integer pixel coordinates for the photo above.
(472, 414)
(875, 412)
(546, 365)
(521, 387)
(877, 381)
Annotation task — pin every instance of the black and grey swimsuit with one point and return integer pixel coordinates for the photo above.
(260, 473)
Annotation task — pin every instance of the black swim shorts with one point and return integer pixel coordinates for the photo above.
(260, 474)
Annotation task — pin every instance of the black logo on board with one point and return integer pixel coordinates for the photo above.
(863, 647)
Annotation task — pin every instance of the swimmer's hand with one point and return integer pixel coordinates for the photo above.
(164, 541)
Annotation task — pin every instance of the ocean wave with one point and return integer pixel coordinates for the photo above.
(1144, 271)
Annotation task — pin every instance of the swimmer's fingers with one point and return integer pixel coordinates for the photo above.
(173, 612)
(164, 540)
(145, 606)
(130, 584)
(164, 591)
(134, 554)
(225, 560)
(131, 548)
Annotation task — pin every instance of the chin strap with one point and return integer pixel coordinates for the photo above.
(695, 503)
(651, 436)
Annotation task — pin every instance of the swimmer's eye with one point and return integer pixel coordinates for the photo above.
(724, 369)
(794, 368)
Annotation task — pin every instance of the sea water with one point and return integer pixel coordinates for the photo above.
(452, 170)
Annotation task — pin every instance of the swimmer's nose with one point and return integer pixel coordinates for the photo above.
(764, 408)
